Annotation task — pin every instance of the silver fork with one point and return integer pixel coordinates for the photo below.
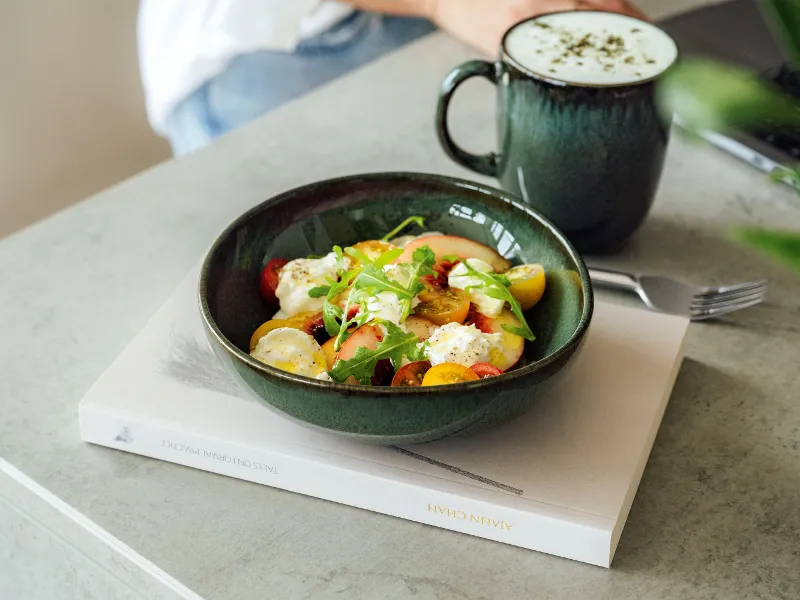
(668, 295)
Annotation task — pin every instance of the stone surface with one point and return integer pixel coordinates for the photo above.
(718, 510)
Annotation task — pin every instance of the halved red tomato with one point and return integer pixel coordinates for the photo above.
(269, 279)
(368, 336)
(484, 370)
(412, 374)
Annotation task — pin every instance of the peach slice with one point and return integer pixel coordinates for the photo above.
(422, 328)
(453, 245)
(511, 345)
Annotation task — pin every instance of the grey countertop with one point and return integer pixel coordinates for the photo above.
(717, 513)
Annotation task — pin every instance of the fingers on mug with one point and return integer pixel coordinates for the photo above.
(484, 164)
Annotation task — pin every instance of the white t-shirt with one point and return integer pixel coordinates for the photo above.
(184, 43)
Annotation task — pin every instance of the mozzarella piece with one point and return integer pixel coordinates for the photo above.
(458, 278)
(300, 276)
(385, 305)
(462, 344)
(291, 350)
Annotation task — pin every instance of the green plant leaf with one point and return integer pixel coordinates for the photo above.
(783, 246)
(331, 313)
(410, 220)
(707, 95)
(784, 17)
(395, 345)
(496, 286)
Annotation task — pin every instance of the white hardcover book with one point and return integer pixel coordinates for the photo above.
(560, 479)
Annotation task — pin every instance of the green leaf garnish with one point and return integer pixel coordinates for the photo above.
(319, 292)
(706, 95)
(387, 257)
(496, 286)
(393, 233)
(395, 345)
(424, 259)
(783, 246)
(451, 257)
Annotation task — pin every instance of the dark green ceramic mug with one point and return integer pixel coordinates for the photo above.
(580, 137)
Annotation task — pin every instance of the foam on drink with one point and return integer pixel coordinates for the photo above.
(591, 48)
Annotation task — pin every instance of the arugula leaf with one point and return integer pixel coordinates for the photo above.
(424, 259)
(331, 313)
(395, 345)
(387, 257)
(451, 257)
(376, 281)
(418, 220)
(496, 286)
(358, 255)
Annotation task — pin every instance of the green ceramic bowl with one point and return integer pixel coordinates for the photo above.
(313, 218)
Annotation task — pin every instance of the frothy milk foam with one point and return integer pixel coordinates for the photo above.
(591, 48)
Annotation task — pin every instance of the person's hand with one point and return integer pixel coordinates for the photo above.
(482, 23)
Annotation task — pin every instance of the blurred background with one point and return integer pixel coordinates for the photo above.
(72, 116)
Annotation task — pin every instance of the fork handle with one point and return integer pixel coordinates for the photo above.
(614, 279)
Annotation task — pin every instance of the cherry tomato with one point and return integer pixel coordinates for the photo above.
(372, 249)
(443, 305)
(447, 373)
(412, 374)
(484, 370)
(527, 284)
(329, 352)
(269, 279)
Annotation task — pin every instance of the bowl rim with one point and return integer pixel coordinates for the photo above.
(388, 391)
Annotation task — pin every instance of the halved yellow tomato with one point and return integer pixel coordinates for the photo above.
(330, 353)
(447, 373)
(443, 305)
(527, 284)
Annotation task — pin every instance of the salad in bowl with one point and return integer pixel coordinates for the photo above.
(425, 310)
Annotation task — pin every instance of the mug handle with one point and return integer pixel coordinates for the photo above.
(486, 164)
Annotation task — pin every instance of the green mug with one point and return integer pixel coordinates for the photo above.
(589, 156)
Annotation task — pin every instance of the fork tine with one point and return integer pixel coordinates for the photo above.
(700, 298)
(710, 313)
(739, 287)
(710, 301)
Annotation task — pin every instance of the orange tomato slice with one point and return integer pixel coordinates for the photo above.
(443, 305)
(447, 373)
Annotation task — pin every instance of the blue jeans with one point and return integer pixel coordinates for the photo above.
(254, 84)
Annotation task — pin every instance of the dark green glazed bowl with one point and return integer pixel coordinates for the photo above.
(310, 220)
